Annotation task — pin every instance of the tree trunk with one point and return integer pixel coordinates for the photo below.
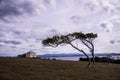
(89, 63)
(93, 56)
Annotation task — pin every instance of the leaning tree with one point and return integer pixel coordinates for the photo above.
(86, 39)
(90, 44)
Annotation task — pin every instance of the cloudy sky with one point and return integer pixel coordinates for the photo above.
(25, 23)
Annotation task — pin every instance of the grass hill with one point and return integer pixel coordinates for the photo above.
(37, 69)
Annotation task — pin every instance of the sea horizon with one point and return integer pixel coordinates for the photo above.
(75, 57)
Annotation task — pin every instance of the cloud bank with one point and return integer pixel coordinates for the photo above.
(25, 23)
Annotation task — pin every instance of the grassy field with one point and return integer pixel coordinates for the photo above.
(37, 69)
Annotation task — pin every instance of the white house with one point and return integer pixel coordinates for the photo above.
(29, 54)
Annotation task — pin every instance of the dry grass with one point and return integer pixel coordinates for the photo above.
(37, 69)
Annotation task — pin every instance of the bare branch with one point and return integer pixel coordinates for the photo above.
(86, 44)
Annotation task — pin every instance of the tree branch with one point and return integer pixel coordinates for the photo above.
(86, 44)
(89, 42)
(53, 45)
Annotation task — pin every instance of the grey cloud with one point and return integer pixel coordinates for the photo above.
(107, 26)
(6, 30)
(39, 39)
(14, 8)
(118, 41)
(112, 41)
(31, 45)
(103, 25)
(75, 19)
(53, 30)
(1, 45)
(13, 47)
(17, 32)
(47, 1)
(32, 49)
(11, 42)
(8, 8)
(1, 35)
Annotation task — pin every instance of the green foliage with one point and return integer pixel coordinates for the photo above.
(66, 39)
(91, 35)
(51, 41)
(79, 35)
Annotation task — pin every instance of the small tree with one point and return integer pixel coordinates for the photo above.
(68, 39)
(90, 38)
(87, 40)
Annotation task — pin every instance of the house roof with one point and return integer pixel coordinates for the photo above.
(30, 52)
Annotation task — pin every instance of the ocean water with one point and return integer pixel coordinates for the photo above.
(76, 58)
(65, 58)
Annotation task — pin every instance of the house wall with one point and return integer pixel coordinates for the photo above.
(28, 55)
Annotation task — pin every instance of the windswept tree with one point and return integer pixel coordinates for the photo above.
(87, 39)
(90, 40)
(69, 38)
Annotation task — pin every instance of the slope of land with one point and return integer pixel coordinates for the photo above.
(37, 69)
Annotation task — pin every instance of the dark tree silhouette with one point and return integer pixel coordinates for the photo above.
(69, 38)
(87, 40)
